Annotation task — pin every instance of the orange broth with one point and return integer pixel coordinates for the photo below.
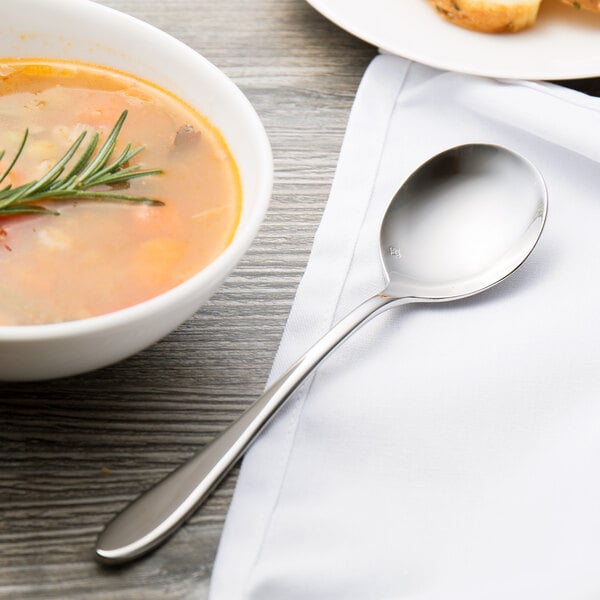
(99, 256)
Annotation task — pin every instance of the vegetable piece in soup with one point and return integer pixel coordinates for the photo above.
(97, 255)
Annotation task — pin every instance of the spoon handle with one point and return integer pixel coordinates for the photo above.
(157, 513)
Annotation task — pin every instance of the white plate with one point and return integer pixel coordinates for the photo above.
(563, 44)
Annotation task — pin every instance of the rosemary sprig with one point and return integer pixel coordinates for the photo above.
(90, 169)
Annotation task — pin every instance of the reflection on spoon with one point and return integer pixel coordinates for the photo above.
(462, 222)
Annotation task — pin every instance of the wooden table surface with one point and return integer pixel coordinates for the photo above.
(75, 451)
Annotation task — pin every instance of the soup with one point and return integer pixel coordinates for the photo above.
(96, 255)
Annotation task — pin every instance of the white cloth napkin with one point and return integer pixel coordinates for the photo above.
(450, 451)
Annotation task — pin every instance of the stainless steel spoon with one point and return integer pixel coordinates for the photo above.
(462, 222)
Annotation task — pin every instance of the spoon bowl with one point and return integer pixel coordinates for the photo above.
(461, 223)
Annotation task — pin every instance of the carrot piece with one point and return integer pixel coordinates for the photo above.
(157, 220)
(105, 115)
(14, 178)
(156, 260)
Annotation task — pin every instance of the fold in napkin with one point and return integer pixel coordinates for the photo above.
(450, 451)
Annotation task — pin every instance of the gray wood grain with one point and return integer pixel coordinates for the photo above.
(75, 451)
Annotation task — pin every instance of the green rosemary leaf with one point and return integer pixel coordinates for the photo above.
(90, 169)
(16, 157)
(94, 195)
(28, 208)
(117, 164)
(84, 157)
(104, 151)
(5, 190)
(55, 171)
(129, 174)
(17, 194)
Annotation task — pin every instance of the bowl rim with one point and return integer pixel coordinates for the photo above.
(215, 271)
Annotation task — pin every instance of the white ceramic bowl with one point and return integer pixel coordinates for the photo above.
(86, 31)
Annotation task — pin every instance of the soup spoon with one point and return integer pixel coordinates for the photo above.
(462, 222)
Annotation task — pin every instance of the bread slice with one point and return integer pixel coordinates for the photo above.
(490, 16)
(593, 5)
